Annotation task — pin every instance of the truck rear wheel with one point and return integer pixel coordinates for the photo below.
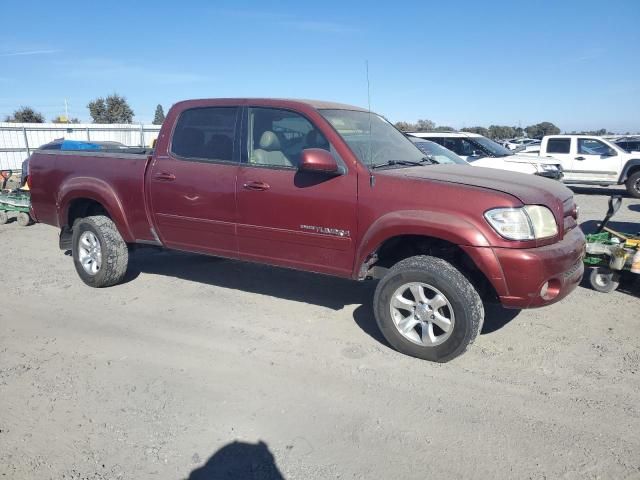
(100, 255)
(633, 184)
(427, 309)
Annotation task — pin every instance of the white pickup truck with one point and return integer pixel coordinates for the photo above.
(592, 160)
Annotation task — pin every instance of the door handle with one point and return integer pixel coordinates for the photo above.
(580, 158)
(165, 176)
(258, 186)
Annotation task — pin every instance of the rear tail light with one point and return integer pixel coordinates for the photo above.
(29, 173)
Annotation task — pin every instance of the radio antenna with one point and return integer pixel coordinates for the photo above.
(366, 64)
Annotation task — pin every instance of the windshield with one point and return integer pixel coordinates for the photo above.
(493, 148)
(438, 153)
(374, 140)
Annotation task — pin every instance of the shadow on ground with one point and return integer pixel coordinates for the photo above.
(590, 226)
(330, 292)
(322, 290)
(496, 317)
(605, 191)
(629, 283)
(241, 461)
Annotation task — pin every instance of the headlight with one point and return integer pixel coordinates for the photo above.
(548, 167)
(526, 223)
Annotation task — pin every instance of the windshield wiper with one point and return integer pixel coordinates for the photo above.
(389, 163)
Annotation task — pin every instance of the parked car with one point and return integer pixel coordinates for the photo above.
(630, 144)
(479, 150)
(326, 188)
(437, 153)
(593, 160)
(519, 143)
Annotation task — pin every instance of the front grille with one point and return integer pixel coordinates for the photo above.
(570, 214)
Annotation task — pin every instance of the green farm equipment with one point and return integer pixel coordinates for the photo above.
(14, 203)
(609, 253)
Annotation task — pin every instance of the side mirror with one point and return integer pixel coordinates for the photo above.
(611, 153)
(318, 160)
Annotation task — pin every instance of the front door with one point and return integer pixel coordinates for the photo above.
(290, 218)
(596, 161)
(192, 188)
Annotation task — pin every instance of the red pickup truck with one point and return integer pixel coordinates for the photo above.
(327, 188)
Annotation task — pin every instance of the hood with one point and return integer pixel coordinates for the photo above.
(533, 159)
(529, 189)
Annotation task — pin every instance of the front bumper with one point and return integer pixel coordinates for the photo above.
(527, 271)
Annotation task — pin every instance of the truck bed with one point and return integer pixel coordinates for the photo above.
(115, 179)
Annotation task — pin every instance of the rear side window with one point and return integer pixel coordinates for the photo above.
(559, 145)
(205, 134)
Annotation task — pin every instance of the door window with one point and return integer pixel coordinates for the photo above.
(559, 145)
(278, 137)
(205, 134)
(460, 146)
(590, 146)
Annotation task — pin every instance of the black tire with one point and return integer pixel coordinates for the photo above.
(633, 184)
(114, 251)
(24, 220)
(4, 218)
(604, 280)
(462, 296)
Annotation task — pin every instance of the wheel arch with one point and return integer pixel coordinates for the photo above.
(80, 197)
(631, 167)
(394, 238)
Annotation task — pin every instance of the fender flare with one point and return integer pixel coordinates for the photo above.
(99, 191)
(444, 226)
(631, 164)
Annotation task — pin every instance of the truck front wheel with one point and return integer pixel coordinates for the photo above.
(427, 309)
(633, 184)
(100, 255)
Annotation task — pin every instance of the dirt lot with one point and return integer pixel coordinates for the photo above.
(198, 366)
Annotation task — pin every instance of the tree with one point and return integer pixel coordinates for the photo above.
(501, 132)
(158, 118)
(425, 125)
(479, 130)
(25, 115)
(443, 128)
(113, 109)
(405, 126)
(63, 119)
(539, 130)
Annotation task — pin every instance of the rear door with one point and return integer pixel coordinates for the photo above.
(285, 217)
(192, 187)
(561, 149)
(595, 161)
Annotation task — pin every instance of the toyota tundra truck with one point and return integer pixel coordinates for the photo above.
(326, 188)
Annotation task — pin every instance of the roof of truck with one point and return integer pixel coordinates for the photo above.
(317, 104)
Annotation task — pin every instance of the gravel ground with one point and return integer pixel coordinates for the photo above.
(199, 367)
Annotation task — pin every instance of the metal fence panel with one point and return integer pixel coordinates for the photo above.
(18, 140)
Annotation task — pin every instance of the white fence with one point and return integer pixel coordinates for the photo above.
(18, 140)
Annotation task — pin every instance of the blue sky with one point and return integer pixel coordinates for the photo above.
(462, 63)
